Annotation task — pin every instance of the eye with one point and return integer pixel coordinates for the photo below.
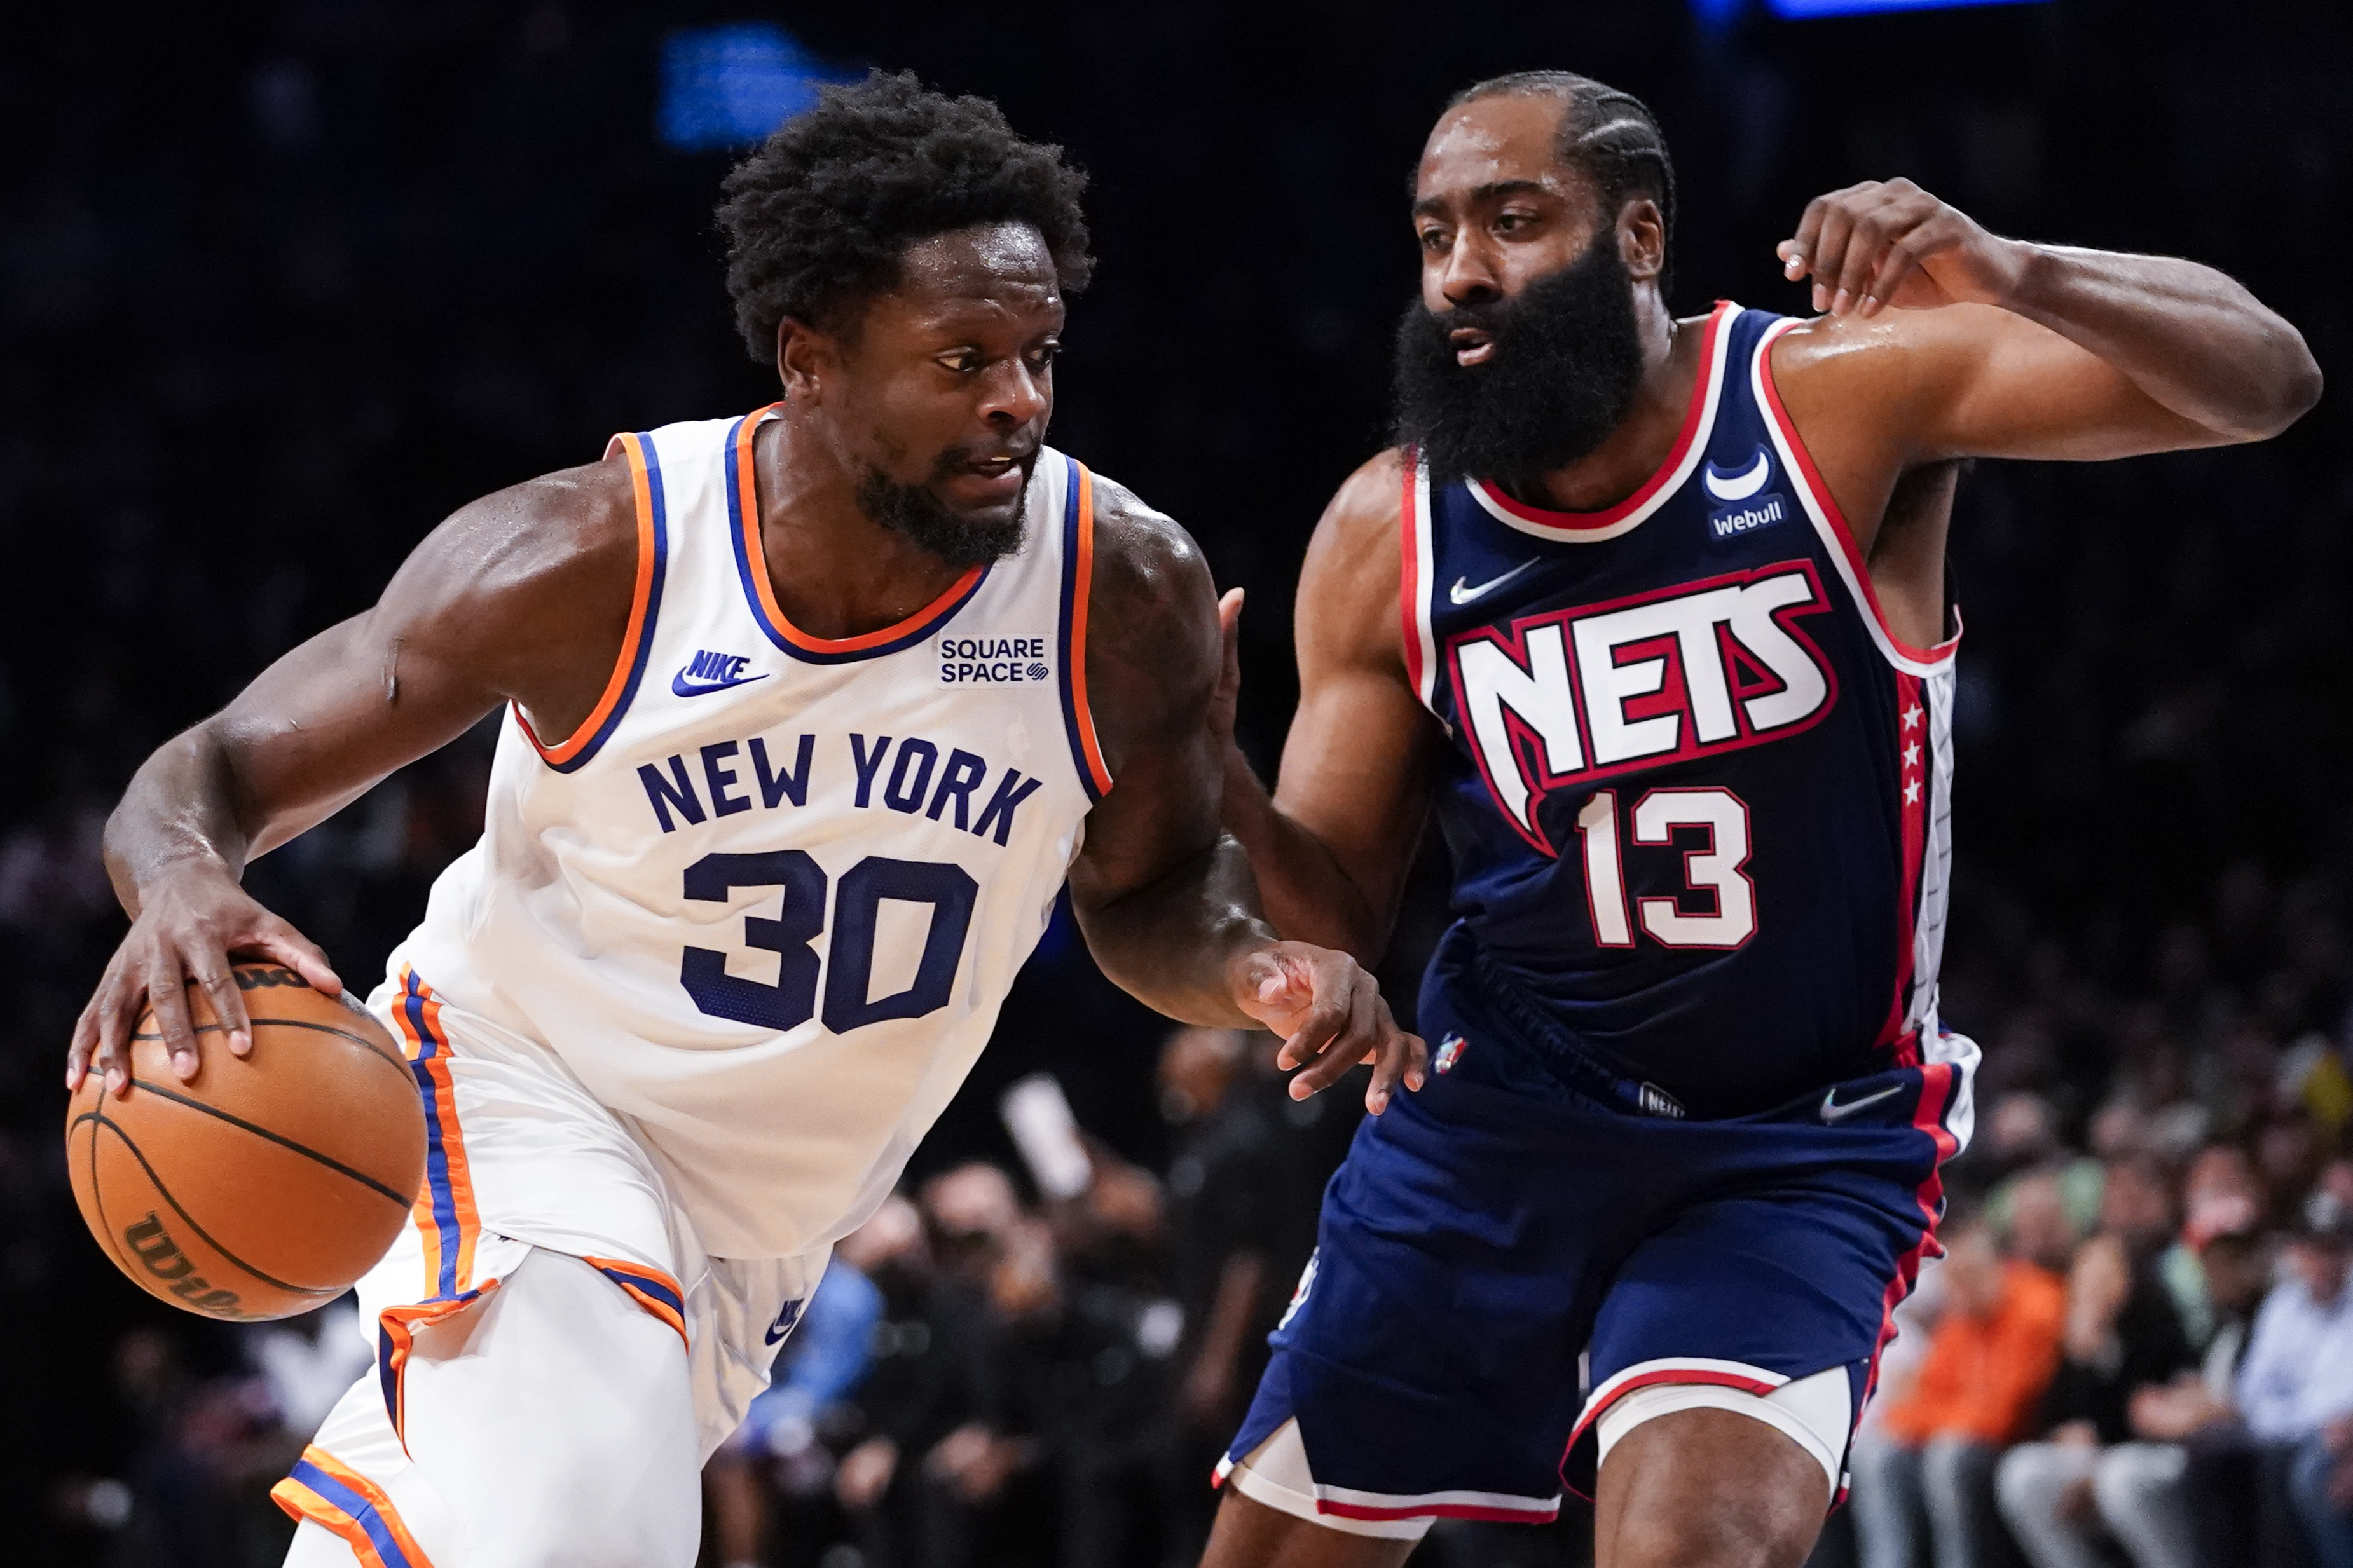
(1513, 222)
(962, 361)
(1044, 357)
(1434, 239)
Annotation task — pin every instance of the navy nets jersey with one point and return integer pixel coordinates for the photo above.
(1695, 789)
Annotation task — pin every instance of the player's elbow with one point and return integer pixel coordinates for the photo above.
(2286, 393)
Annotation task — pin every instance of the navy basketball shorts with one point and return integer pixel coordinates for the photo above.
(1500, 1260)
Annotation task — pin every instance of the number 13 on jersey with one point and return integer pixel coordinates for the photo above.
(1715, 868)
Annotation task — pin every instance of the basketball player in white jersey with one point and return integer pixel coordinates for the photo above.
(808, 717)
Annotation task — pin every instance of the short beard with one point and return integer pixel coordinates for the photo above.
(917, 512)
(1567, 361)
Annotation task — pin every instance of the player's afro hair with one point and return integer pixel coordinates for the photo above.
(818, 219)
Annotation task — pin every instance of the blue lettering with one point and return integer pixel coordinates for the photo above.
(776, 786)
(964, 773)
(867, 767)
(1011, 790)
(902, 795)
(719, 778)
(661, 791)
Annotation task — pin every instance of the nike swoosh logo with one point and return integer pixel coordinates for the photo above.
(1833, 1111)
(1739, 486)
(679, 683)
(786, 1319)
(1463, 596)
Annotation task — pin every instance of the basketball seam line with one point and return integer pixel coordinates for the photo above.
(202, 1235)
(278, 1138)
(360, 1040)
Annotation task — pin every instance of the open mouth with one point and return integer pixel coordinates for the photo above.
(993, 478)
(1471, 345)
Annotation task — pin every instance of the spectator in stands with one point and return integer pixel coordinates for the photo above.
(2295, 1380)
(1990, 1359)
(2122, 1333)
(821, 1365)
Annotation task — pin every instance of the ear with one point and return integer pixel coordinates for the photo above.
(1642, 239)
(803, 357)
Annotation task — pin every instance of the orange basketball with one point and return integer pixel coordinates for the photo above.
(268, 1183)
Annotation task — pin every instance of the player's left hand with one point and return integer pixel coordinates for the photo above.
(1889, 242)
(1331, 1014)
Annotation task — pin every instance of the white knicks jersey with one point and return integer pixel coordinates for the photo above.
(766, 902)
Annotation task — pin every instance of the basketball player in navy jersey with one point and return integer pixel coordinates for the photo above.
(1651, 613)
(806, 718)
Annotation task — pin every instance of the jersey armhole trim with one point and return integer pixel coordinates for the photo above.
(1078, 588)
(638, 641)
(1822, 509)
(1414, 556)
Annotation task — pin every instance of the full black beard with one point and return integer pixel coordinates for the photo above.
(936, 527)
(1567, 359)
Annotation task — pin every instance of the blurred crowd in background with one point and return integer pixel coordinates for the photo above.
(283, 283)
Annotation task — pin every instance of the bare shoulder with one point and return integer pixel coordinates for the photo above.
(1348, 584)
(1152, 632)
(1142, 554)
(1891, 359)
(548, 530)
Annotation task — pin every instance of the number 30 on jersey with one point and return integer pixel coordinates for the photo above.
(848, 967)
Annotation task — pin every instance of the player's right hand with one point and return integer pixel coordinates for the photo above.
(190, 921)
(1330, 1013)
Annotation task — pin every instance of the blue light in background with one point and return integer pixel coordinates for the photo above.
(1801, 10)
(730, 85)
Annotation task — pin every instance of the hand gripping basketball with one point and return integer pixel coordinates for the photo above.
(190, 920)
(269, 1181)
(1332, 1016)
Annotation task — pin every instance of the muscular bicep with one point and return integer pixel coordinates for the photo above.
(523, 596)
(1355, 767)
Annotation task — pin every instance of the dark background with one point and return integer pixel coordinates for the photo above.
(282, 285)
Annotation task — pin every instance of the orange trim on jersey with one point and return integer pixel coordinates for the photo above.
(651, 1289)
(1082, 578)
(374, 1531)
(641, 600)
(747, 491)
(398, 1326)
(445, 1212)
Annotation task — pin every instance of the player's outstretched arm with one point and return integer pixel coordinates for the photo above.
(1976, 345)
(1332, 846)
(523, 596)
(1164, 896)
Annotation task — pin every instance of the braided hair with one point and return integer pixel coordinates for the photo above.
(1612, 136)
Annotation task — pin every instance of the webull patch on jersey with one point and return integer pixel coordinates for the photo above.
(986, 660)
(1734, 521)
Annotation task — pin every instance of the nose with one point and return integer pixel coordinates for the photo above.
(1467, 276)
(1014, 394)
